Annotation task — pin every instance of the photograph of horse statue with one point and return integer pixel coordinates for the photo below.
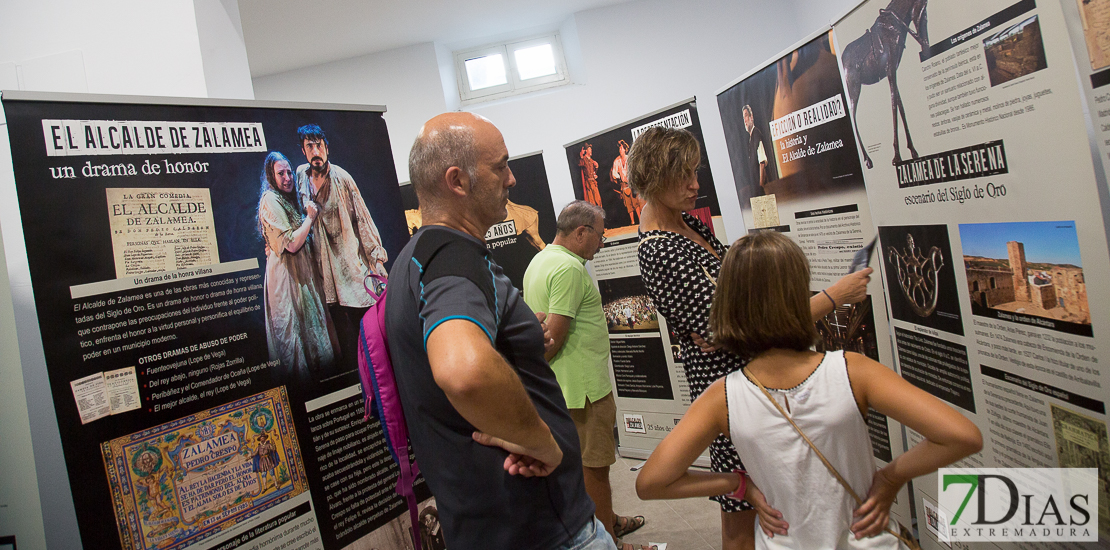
(877, 54)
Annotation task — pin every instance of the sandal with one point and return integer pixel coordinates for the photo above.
(624, 525)
(630, 546)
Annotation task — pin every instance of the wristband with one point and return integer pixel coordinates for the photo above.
(830, 298)
(738, 494)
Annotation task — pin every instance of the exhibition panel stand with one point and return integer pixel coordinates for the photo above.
(797, 171)
(204, 392)
(529, 224)
(989, 196)
(649, 382)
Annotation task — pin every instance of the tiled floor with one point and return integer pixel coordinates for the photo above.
(688, 524)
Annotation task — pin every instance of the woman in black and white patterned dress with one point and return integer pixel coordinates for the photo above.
(679, 262)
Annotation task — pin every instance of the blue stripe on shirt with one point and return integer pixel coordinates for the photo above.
(448, 318)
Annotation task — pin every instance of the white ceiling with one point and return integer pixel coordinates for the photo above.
(283, 35)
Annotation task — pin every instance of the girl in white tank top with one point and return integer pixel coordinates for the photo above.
(761, 312)
(824, 408)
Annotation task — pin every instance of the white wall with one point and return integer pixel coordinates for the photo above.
(643, 56)
(112, 47)
(815, 13)
(227, 73)
(127, 47)
(20, 507)
(406, 80)
(168, 48)
(636, 58)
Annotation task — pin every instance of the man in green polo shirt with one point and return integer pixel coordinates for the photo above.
(558, 284)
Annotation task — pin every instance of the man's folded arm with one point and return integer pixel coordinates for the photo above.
(485, 390)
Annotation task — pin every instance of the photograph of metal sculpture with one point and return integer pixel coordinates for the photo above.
(1027, 269)
(1015, 52)
(627, 306)
(876, 55)
(920, 276)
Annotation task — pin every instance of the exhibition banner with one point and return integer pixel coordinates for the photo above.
(647, 372)
(197, 274)
(794, 156)
(599, 169)
(528, 227)
(797, 171)
(990, 215)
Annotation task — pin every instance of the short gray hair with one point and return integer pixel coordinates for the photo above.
(434, 152)
(577, 214)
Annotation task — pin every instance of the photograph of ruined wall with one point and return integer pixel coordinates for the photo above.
(1028, 268)
(1015, 52)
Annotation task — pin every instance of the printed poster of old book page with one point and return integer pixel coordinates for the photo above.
(1096, 30)
(161, 229)
(765, 211)
(123, 390)
(91, 396)
(186, 480)
(1081, 443)
(106, 393)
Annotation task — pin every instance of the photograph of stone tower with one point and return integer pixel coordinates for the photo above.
(1027, 269)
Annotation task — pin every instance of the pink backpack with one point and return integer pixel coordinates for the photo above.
(379, 388)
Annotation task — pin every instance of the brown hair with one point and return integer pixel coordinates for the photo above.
(660, 158)
(762, 298)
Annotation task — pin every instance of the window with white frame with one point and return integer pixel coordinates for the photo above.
(510, 68)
